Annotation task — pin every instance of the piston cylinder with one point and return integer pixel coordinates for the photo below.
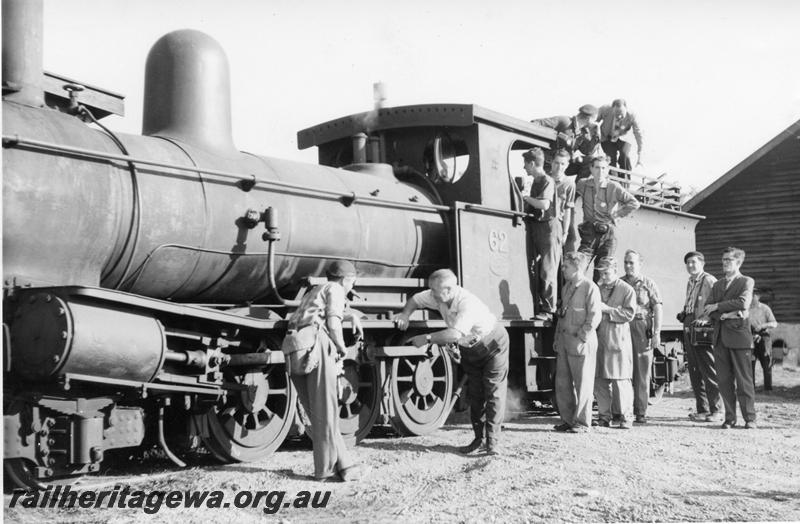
(52, 336)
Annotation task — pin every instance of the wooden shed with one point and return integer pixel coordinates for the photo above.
(756, 206)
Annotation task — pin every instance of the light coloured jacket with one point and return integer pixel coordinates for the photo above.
(576, 331)
(615, 351)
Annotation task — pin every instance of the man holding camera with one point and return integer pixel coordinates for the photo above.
(761, 321)
(603, 203)
(699, 353)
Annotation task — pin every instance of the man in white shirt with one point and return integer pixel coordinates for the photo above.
(483, 342)
(761, 322)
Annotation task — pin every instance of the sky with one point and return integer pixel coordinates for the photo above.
(710, 81)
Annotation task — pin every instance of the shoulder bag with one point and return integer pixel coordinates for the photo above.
(301, 350)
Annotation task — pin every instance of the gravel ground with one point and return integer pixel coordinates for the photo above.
(670, 470)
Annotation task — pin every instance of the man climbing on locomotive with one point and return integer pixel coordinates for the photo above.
(483, 343)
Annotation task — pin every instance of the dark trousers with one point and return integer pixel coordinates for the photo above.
(595, 244)
(545, 240)
(763, 354)
(486, 366)
(619, 152)
(736, 381)
(702, 375)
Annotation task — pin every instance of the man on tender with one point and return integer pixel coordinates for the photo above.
(612, 382)
(483, 342)
(603, 203)
(733, 343)
(576, 346)
(645, 330)
(615, 123)
(574, 134)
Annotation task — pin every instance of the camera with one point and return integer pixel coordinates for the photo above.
(601, 228)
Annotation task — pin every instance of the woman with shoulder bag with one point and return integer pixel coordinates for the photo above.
(313, 345)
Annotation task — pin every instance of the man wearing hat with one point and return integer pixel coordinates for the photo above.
(483, 342)
(325, 306)
(614, 372)
(615, 122)
(603, 202)
(700, 357)
(576, 134)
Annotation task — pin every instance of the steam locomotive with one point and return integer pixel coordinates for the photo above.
(147, 277)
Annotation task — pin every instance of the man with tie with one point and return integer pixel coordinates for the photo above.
(699, 357)
(603, 203)
(733, 344)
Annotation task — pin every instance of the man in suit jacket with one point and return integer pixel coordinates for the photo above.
(733, 344)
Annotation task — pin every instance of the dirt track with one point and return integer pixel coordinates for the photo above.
(669, 470)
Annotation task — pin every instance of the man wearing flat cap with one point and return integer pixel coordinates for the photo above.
(612, 384)
(578, 135)
(325, 306)
(699, 357)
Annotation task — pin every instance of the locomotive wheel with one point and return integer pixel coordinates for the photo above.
(20, 473)
(252, 423)
(360, 399)
(421, 387)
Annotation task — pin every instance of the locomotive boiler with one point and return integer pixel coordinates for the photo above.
(147, 277)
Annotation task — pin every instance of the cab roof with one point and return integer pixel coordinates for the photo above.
(421, 115)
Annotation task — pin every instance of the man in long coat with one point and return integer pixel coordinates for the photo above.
(614, 352)
(576, 346)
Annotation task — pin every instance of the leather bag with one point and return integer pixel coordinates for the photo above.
(701, 335)
(301, 350)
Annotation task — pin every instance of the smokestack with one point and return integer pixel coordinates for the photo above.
(187, 91)
(23, 23)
